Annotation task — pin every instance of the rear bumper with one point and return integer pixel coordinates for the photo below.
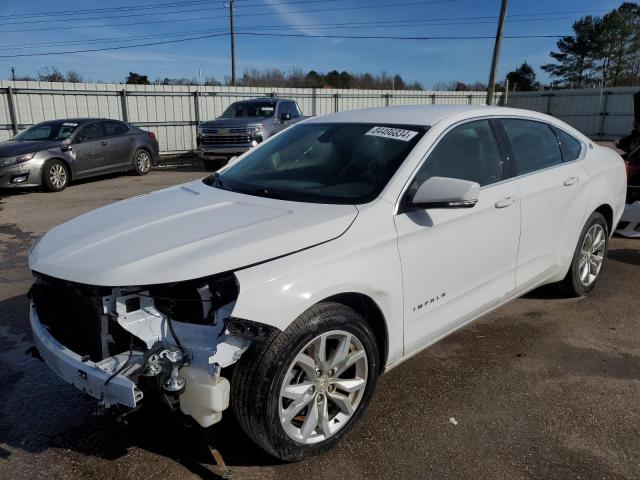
(87, 376)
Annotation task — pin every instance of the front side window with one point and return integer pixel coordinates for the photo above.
(250, 109)
(344, 163)
(53, 131)
(93, 131)
(468, 152)
(290, 108)
(570, 147)
(534, 145)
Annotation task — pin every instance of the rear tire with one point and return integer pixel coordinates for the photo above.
(55, 175)
(286, 403)
(588, 259)
(142, 162)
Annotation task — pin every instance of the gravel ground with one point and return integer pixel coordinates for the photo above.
(544, 387)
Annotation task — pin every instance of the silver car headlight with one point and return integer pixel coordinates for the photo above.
(5, 162)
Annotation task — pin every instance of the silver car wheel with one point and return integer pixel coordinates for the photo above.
(323, 387)
(58, 176)
(592, 254)
(143, 161)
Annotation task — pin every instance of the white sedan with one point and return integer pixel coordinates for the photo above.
(326, 256)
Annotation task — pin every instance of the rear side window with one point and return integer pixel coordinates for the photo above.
(115, 128)
(93, 131)
(534, 145)
(570, 146)
(468, 152)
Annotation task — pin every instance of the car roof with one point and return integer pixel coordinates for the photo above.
(423, 115)
(81, 120)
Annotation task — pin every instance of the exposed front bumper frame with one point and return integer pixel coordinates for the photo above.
(84, 375)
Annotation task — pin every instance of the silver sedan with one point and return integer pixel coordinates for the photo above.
(51, 154)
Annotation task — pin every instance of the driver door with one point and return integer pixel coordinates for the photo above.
(457, 263)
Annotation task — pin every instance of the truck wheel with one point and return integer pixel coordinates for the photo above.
(142, 162)
(55, 175)
(588, 258)
(298, 392)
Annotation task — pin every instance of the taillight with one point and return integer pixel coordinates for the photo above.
(152, 136)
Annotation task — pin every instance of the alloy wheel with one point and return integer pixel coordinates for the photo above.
(592, 254)
(58, 176)
(143, 161)
(323, 387)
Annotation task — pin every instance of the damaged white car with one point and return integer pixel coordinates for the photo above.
(286, 283)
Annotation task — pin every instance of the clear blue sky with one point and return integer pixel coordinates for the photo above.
(428, 62)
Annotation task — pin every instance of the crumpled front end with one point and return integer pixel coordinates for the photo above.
(123, 344)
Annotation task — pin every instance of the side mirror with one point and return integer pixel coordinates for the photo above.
(66, 148)
(285, 117)
(443, 192)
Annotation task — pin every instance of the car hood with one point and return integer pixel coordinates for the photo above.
(11, 149)
(181, 233)
(239, 122)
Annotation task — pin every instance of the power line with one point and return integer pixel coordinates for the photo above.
(321, 26)
(297, 35)
(157, 5)
(204, 17)
(44, 54)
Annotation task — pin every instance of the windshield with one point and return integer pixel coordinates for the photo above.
(341, 163)
(53, 131)
(250, 109)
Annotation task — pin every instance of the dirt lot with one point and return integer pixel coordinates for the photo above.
(543, 388)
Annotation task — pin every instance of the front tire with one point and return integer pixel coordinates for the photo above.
(298, 392)
(588, 258)
(55, 175)
(142, 162)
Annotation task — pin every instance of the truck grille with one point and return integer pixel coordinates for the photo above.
(226, 139)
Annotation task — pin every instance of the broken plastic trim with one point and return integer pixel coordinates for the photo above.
(248, 329)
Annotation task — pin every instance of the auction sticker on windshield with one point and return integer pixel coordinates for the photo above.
(394, 133)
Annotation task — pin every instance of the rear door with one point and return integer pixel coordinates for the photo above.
(458, 263)
(88, 148)
(548, 187)
(121, 144)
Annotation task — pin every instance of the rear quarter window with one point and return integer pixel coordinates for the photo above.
(570, 147)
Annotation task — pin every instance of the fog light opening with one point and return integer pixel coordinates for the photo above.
(19, 178)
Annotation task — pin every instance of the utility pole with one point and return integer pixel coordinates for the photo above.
(233, 45)
(496, 53)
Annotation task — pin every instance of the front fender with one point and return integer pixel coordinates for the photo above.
(364, 260)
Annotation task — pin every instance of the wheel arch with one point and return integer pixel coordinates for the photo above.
(607, 212)
(372, 314)
(66, 163)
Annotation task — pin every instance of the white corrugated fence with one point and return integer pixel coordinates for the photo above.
(174, 111)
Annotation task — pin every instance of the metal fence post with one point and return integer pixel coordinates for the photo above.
(548, 112)
(433, 99)
(123, 103)
(387, 99)
(12, 111)
(196, 104)
(336, 105)
(603, 114)
(314, 101)
(471, 99)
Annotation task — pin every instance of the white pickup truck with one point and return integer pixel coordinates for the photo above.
(242, 126)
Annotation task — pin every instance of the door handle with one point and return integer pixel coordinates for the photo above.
(571, 181)
(131, 139)
(506, 202)
(104, 142)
